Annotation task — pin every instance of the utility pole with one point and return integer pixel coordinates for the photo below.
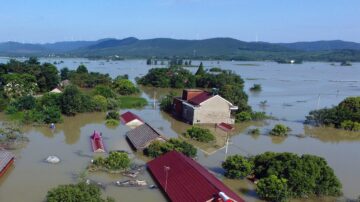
(226, 144)
(166, 169)
(318, 102)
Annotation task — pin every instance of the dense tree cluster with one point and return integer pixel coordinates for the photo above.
(292, 175)
(157, 148)
(76, 193)
(345, 115)
(21, 81)
(200, 134)
(229, 85)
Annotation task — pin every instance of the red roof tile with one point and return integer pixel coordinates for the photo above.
(197, 100)
(186, 179)
(129, 116)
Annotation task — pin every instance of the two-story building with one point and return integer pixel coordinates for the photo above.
(199, 107)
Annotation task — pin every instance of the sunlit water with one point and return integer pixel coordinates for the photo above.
(290, 92)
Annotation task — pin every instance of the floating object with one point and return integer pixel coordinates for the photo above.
(52, 126)
(96, 142)
(6, 160)
(132, 174)
(131, 183)
(224, 197)
(52, 159)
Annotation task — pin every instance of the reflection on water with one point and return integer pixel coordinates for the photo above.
(290, 92)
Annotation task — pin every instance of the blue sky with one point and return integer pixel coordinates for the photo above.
(268, 20)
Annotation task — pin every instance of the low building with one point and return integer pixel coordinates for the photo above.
(183, 180)
(142, 136)
(6, 160)
(130, 119)
(198, 106)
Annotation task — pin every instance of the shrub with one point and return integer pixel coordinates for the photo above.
(350, 125)
(157, 148)
(115, 161)
(128, 102)
(273, 189)
(112, 115)
(280, 130)
(256, 88)
(200, 134)
(105, 91)
(243, 116)
(254, 131)
(237, 167)
(112, 122)
(76, 193)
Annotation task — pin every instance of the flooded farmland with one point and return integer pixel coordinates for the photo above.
(288, 93)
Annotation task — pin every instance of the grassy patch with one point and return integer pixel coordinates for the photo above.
(126, 102)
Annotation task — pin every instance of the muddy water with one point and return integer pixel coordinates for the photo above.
(291, 91)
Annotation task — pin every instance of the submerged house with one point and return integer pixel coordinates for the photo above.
(141, 137)
(183, 179)
(96, 142)
(130, 119)
(198, 106)
(6, 160)
(56, 90)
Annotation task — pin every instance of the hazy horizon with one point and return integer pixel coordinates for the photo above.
(39, 21)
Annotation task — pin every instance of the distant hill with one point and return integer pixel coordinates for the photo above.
(214, 48)
(322, 45)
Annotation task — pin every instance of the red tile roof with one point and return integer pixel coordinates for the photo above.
(186, 179)
(224, 126)
(197, 100)
(129, 116)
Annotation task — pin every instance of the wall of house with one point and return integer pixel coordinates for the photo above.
(188, 113)
(214, 110)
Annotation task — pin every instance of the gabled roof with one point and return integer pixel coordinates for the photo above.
(96, 142)
(5, 158)
(186, 179)
(202, 97)
(128, 117)
(142, 136)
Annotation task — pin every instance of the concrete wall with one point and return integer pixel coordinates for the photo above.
(214, 110)
(188, 113)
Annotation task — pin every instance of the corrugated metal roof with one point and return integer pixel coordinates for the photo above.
(129, 116)
(5, 158)
(141, 136)
(186, 179)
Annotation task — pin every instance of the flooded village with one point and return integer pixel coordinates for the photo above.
(289, 92)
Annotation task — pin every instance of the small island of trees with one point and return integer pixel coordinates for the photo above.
(345, 115)
(282, 176)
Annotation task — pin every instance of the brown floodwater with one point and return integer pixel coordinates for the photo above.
(291, 91)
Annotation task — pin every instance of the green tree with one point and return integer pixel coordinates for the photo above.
(100, 103)
(125, 87)
(237, 167)
(51, 114)
(71, 100)
(76, 193)
(158, 148)
(64, 73)
(82, 69)
(200, 70)
(112, 115)
(49, 77)
(273, 189)
(280, 130)
(166, 103)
